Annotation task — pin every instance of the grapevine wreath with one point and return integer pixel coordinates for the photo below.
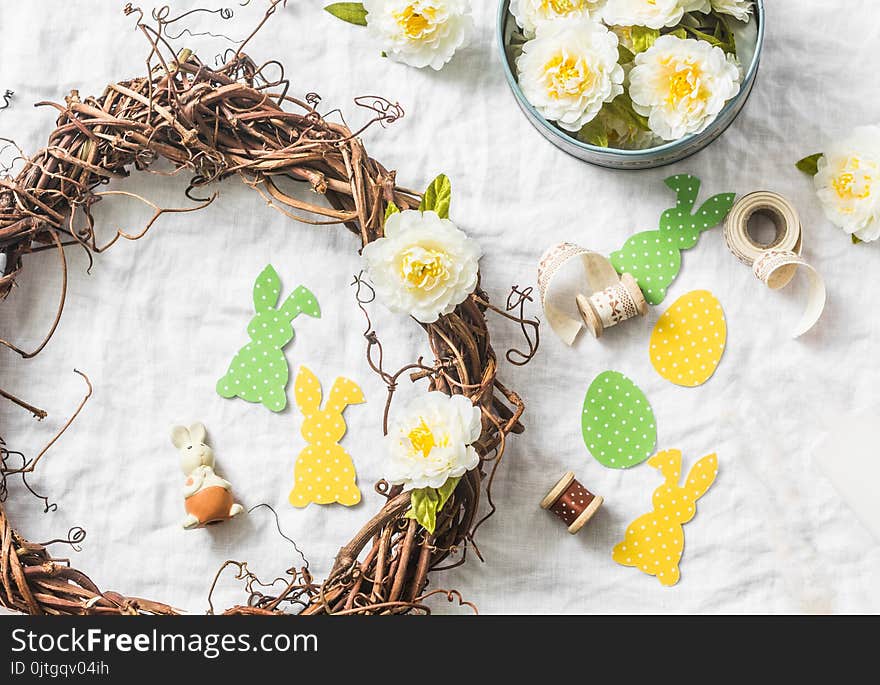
(235, 120)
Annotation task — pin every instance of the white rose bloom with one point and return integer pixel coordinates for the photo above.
(739, 9)
(848, 183)
(569, 70)
(655, 14)
(432, 440)
(420, 33)
(682, 85)
(424, 266)
(530, 13)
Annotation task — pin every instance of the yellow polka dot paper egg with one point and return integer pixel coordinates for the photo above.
(689, 338)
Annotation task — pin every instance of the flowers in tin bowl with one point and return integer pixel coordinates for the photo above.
(628, 74)
(425, 265)
(847, 180)
(419, 33)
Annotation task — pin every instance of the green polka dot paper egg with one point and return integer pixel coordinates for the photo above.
(618, 422)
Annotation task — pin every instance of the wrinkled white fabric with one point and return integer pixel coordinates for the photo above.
(157, 321)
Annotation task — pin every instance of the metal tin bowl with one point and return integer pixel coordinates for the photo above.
(631, 159)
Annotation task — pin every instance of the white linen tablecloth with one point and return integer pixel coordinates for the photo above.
(157, 321)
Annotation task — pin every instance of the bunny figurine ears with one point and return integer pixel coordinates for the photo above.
(259, 371)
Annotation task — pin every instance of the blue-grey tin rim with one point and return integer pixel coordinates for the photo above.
(633, 159)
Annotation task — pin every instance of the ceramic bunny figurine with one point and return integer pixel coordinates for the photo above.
(324, 472)
(654, 541)
(259, 372)
(208, 498)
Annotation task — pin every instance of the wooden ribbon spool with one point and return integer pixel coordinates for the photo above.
(614, 298)
(619, 302)
(572, 502)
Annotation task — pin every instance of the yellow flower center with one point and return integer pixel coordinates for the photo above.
(852, 183)
(423, 268)
(684, 82)
(568, 76)
(562, 6)
(422, 439)
(415, 23)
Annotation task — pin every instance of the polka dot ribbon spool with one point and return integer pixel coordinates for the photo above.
(572, 502)
(776, 262)
(595, 296)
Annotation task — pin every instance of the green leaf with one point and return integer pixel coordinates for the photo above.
(445, 491)
(594, 132)
(437, 197)
(712, 40)
(643, 38)
(810, 165)
(390, 209)
(725, 33)
(352, 12)
(624, 54)
(423, 507)
(426, 503)
(855, 239)
(622, 106)
(680, 32)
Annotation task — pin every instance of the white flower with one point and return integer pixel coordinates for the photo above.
(530, 13)
(704, 6)
(420, 33)
(739, 9)
(424, 266)
(432, 441)
(569, 70)
(848, 183)
(682, 85)
(655, 14)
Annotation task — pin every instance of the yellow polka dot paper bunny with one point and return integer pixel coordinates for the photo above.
(324, 472)
(654, 542)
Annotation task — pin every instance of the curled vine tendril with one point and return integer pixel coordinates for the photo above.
(386, 111)
(75, 537)
(516, 301)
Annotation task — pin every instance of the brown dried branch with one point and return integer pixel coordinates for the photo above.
(31, 464)
(38, 413)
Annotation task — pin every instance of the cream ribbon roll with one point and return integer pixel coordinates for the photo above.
(775, 263)
(610, 298)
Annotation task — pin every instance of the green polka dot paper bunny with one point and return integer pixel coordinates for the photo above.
(259, 371)
(653, 258)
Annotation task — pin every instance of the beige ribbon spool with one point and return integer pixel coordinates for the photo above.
(611, 299)
(775, 263)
